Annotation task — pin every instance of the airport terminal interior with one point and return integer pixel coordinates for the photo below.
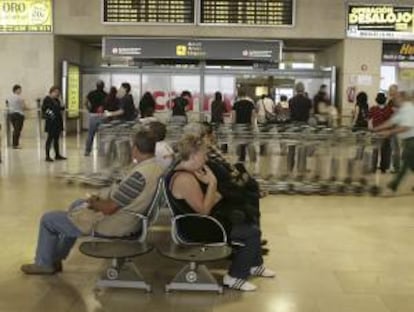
(294, 144)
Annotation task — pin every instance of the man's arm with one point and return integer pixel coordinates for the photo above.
(106, 206)
(389, 124)
(126, 192)
(393, 131)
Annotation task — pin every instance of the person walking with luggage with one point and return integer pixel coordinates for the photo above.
(52, 112)
(16, 107)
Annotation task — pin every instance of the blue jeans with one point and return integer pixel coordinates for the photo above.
(94, 122)
(57, 235)
(248, 256)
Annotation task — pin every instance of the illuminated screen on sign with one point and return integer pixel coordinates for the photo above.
(26, 16)
(380, 22)
(73, 91)
(247, 12)
(148, 11)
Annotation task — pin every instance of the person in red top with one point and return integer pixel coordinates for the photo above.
(378, 114)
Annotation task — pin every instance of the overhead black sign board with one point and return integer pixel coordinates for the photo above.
(148, 11)
(192, 49)
(248, 12)
(381, 22)
(398, 52)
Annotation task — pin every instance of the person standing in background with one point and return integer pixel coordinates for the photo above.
(320, 97)
(127, 110)
(265, 109)
(360, 120)
(52, 112)
(218, 109)
(282, 111)
(147, 105)
(94, 102)
(16, 106)
(395, 144)
(180, 106)
(300, 105)
(244, 113)
(112, 102)
(378, 114)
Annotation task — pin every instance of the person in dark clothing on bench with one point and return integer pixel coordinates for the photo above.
(194, 187)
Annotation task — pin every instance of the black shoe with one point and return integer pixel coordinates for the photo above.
(59, 157)
(48, 159)
(263, 242)
(265, 251)
(58, 266)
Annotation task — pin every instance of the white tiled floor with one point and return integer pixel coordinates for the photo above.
(332, 254)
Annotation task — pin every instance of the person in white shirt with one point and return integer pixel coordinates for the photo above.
(164, 154)
(265, 109)
(16, 106)
(402, 125)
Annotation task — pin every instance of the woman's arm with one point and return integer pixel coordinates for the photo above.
(186, 186)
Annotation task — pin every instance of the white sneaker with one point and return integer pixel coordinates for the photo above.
(261, 271)
(238, 283)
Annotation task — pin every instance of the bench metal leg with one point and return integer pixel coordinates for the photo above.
(193, 277)
(123, 274)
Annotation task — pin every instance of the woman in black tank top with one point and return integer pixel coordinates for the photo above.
(193, 189)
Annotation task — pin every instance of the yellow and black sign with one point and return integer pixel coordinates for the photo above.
(73, 94)
(398, 52)
(381, 22)
(26, 16)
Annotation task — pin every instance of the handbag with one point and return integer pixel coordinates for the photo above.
(82, 217)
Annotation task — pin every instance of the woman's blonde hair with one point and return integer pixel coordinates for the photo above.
(189, 145)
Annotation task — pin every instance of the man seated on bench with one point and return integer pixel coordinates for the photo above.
(193, 189)
(60, 229)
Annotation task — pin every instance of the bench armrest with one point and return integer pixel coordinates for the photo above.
(193, 217)
(141, 218)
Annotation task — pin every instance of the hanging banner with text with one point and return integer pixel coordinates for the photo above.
(380, 22)
(193, 49)
(73, 91)
(31, 16)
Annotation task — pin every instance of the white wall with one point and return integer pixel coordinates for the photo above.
(26, 60)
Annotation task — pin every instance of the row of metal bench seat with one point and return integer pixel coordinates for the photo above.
(194, 276)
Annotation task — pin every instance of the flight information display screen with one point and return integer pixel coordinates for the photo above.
(247, 12)
(148, 11)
